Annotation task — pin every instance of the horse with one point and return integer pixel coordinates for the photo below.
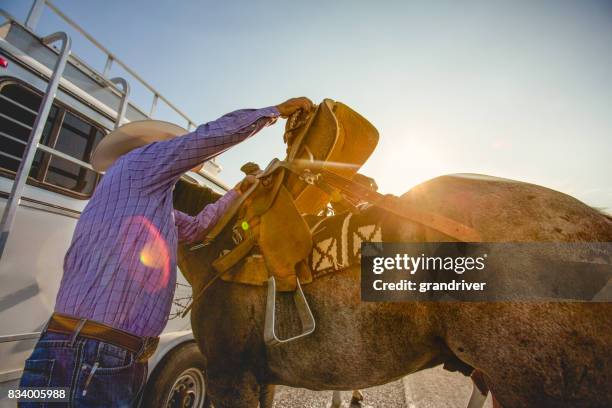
(530, 354)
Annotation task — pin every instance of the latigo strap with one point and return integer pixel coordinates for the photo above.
(326, 179)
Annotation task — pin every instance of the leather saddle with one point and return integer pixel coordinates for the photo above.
(267, 225)
(334, 138)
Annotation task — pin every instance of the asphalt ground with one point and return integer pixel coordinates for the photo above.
(433, 388)
(389, 395)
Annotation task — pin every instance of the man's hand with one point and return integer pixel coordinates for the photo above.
(292, 105)
(246, 183)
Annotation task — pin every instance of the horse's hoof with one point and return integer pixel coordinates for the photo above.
(356, 403)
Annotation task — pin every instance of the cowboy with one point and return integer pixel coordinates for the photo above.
(120, 269)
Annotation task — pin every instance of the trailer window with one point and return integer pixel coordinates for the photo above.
(77, 139)
(64, 131)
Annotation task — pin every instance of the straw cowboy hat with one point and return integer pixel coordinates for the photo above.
(131, 136)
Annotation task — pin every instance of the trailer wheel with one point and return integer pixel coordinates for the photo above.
(178, 380)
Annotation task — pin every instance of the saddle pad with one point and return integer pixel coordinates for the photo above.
(337, 241)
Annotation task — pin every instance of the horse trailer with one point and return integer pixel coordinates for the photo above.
(54, 109)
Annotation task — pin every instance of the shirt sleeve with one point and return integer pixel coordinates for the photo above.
(191, 228)
(161, 163)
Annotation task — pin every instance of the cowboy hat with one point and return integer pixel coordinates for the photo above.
(130, 136)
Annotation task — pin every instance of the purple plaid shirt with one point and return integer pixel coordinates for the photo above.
(120, 268)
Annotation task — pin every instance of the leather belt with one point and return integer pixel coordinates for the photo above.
(142, 347)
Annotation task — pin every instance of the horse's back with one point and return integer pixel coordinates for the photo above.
(509, 210)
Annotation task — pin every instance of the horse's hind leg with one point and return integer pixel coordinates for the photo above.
(356, 399)
(336, 399)
(266, 396)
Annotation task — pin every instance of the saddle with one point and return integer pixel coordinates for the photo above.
(335, 138)
(271, 237)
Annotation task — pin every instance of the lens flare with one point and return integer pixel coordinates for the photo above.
(153, 254)
(149, 255)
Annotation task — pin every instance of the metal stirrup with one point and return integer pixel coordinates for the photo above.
(306, 317)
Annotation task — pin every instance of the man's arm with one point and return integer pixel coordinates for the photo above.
(192, 228)
(161, 163)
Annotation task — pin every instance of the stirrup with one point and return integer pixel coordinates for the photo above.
(306, 317)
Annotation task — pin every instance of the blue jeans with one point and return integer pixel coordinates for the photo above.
(98, 374)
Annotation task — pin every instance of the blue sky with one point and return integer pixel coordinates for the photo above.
(517, 89)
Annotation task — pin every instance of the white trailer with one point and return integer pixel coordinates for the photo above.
(54, 109)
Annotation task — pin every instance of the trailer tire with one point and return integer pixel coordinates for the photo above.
(178, 380)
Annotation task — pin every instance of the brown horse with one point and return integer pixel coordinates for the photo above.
(531, 354)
